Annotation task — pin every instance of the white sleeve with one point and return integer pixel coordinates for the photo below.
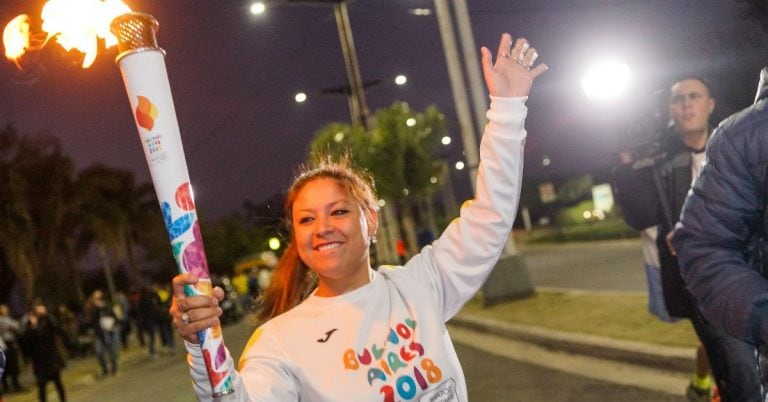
(459, 261)
(201, 383)
(268, 378)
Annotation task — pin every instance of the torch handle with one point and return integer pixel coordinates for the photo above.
(146, 81)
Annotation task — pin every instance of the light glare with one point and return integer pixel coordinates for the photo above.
(258, 8)
(300, 97)
(274, 243)
(606, 80)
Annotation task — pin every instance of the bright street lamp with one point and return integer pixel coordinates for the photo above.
(606, 80)
(401, 80)
(258, 7)
(274, 243)
(300, 97)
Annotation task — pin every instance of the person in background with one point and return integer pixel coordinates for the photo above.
(254, 289)
(135, 316)
(71, 326)
(106, 329)
(122, 309)
(264, 278)
(150, 311)
(10, 329)
(651, 186)
(722, 238)
(41, 337)
(163, 319)
(401, 250)
(336, 329)
(2, 365)
(240, 284)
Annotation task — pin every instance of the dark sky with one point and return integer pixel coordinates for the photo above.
(234, 75)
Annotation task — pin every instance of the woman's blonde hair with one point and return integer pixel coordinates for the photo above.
(292, 280)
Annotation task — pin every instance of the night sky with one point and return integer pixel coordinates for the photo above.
(234, 75)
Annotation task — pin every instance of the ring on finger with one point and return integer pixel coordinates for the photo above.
(185, 318)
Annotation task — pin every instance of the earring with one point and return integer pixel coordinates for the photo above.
(373, 239)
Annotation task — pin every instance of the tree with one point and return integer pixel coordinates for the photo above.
(37, 198)
(116, 215)
(399, 153)
(228, 239)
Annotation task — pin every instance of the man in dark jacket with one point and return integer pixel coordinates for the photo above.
(721, 239)
(40, 339)
(651, 191)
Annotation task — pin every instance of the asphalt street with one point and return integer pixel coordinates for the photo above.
(496, 368)
(603, 265)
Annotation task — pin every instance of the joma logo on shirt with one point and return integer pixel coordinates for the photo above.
(327, 336)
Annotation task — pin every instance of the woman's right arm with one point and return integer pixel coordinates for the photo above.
(261, 375)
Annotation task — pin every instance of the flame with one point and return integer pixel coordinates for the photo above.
(16, 37)
(76, 24)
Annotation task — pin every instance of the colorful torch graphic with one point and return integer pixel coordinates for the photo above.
(142, 64)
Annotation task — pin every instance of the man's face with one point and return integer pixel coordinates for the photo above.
(690, 105)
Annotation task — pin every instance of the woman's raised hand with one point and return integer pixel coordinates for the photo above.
(513, 73)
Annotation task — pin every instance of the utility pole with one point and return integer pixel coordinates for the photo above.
(358, 109)
(458, 88)
(510, 278)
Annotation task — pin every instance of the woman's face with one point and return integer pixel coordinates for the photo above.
(332, 236)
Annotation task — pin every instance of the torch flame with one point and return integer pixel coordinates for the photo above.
(76, 24)
(16, 37)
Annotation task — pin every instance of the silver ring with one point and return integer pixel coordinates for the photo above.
(505, 55)
(525, 48)
(522, 63)
(185, 318)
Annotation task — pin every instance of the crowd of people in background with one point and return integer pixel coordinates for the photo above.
(44, 337)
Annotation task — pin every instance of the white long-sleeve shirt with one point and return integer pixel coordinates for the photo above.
(387, 340)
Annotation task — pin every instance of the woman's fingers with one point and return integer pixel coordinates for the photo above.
(538, 70)
(505, 45)
(190, 322)
(192, 314)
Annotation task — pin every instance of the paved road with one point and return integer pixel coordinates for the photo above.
(606, 265)
(496, 370)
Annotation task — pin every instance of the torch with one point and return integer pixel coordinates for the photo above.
(76, 24)
(142, 64)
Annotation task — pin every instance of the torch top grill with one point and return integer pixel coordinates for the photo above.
(135, 32)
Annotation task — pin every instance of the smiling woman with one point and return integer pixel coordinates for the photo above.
(333, 328)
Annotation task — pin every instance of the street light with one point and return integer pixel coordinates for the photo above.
(357, 105)
(258, 8)
(606, 80)
(274, 243)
